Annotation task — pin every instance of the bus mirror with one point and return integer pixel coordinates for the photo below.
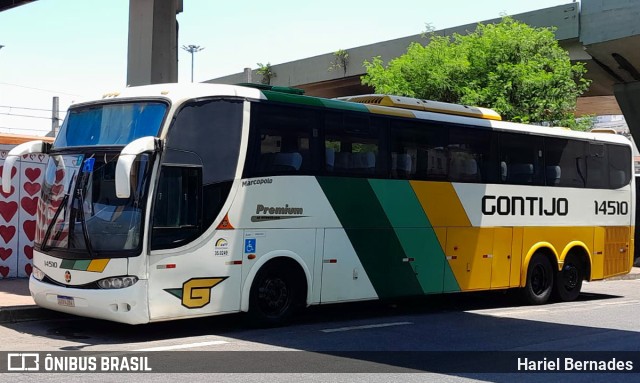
(125, 162)
(13, 156)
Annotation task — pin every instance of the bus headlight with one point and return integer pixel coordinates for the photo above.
(117, 282)
(37, 273)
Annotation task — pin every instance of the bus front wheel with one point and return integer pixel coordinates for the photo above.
(274, 295)
(540, 276)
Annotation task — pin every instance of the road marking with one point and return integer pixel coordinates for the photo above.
(182, 346)
(502, 312)
(616, 303)
(364, 327)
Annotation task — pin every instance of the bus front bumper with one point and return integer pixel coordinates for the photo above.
(127, 305)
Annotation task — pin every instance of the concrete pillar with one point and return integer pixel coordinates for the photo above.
(153, 42)
(628, 97)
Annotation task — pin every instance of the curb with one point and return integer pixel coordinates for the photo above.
(15, 314)
(624, 277)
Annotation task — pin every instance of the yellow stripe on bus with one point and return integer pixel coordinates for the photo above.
(98, 265)
(441, 204)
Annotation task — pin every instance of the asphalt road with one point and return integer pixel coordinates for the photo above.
(388, 338)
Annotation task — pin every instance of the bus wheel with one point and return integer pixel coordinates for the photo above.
(274, 295)
(539, 280)
(569, 281)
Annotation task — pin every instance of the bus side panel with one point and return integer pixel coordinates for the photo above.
(501, 260)
(517, 257)
(597, 256)
(617, 251)
(343, 276)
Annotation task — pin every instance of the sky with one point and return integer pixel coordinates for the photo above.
(76, 49)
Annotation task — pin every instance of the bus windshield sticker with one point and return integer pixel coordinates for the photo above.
(88, 165)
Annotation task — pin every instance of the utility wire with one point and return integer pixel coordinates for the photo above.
(42, 90)
(26, 115)
(20, 107)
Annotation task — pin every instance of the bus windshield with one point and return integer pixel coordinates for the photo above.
(110, 124)
(79, 210)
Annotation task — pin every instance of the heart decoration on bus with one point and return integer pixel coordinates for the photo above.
(29, 229)
(31, 188)
(5, 253)
(7, 195)
(30, 205)
(28, 252)
(32, 174)
(8, 210)
(7, 232)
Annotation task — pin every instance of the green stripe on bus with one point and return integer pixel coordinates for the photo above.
(371, 235)
(67, 264)
(413, 229)
(336, 104)
(314, 101)
(292, 98)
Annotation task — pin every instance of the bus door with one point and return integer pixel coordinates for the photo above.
(190, 273)
(480, 258)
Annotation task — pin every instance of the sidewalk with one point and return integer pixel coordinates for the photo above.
(16, 304)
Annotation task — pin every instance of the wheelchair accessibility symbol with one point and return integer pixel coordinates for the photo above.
(250, 245)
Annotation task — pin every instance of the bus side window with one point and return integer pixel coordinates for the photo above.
(597, 166)
(352, 144)
(177, 209)
(523, 156)
(564, 162)
(417, 150)
(283, 140)
(619, 171)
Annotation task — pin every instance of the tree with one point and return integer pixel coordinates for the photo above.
(519, 71)
(267, 73)
(341, 60)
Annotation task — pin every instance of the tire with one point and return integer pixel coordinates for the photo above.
(275, 295)
(569, 281)
(540, 277)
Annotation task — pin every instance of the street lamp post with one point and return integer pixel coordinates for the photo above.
(192, 49)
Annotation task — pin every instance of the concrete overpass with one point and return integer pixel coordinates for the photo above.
(603, 34)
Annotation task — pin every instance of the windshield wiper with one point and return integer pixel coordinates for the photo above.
(85, 231)
(62, 206)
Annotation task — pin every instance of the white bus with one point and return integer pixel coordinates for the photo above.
(175, 201)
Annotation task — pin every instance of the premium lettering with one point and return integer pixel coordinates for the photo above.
(284, 210)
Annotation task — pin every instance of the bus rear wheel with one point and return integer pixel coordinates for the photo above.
(274, 295)
(540, 277)
(569, 281)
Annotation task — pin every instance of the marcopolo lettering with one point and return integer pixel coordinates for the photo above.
(532, 206)
(260, 181)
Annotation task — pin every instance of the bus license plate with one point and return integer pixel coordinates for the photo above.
(66, 301)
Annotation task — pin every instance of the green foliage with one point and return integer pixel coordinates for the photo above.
(341, 59)
(267, 73)
(519, 71)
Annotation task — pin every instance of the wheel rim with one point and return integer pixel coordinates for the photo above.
(539, 279)
(274, 296)
(570, 276)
